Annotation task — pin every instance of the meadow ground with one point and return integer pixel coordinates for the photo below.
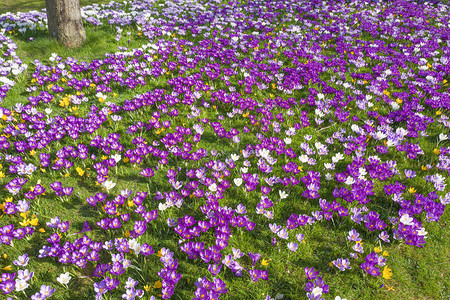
(319, 118)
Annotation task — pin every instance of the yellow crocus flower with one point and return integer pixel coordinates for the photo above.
(34, 222)
(80, 171)
(387, 273)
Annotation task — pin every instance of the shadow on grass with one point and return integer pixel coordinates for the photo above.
(99, 40)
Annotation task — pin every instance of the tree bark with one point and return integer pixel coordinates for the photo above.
(65, 22)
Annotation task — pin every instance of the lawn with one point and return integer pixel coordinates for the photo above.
(226, 149)
(15, 6)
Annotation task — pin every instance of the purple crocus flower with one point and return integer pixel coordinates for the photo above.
(67, 191)
(10, 208)
(255, 274)
(384, 236)
(22, 260)
(86, 227)
(311, 274)
(100, 287)
(338, 263)
(64, 226)
(117, 269)
(219, 286)
(7, 277)
(410, 173)
(147, 250)
(37, 296)
(201, 293)
(214, 269)
(56, 186)
(292, 246)
(254, 257)
(46, 291)
(167, 292)
(353, 236)
(111, 283)
(7, 286)
(370, 268)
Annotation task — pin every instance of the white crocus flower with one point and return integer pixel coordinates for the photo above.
(337, 157)
(303, 158)
(21, 285)
(446, 199)
(135, 246)
(406, 219)
(162, 206)
(379, 135)
(116, 157)
(350, 180)
(328, 166)
(319, 113)
(264, 153)
(213, 187)
(6, 81)
(283, 194)
(395, 105)
(238, 181)
(319, 145)
(64, 278)
(108, 184)
(234, 157)
(316, 292)
(362, 171)
(101, 96)
(422, 232)
(53, 57)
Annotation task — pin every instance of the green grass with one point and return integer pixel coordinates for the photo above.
(26, 5)
(98, 42)
(417, 273)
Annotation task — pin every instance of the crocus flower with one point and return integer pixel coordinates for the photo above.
(353, 236)
(358, 248)
(407, 220)
(22, 260)
(64, 278)
(311, 274)
(21, 285)
(370, 268)
(254, 257)
(108, 184)
(342, 264)
(25, 275)
(46, 291)
(292, 246)
(37, 296)
(7, 286)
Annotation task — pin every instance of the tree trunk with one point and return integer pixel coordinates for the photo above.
(65, 23)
